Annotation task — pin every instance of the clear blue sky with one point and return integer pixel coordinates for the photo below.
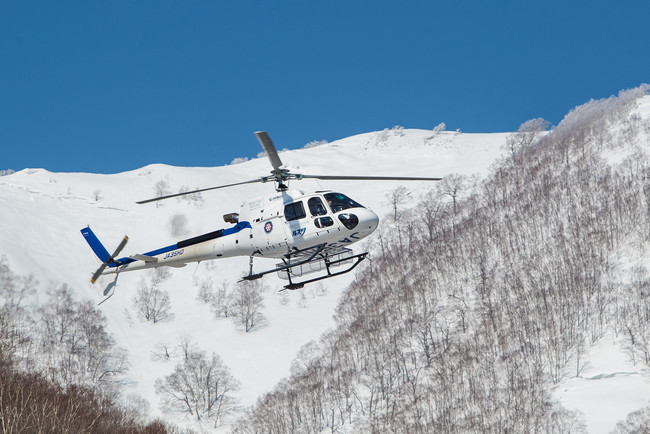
(109, 86)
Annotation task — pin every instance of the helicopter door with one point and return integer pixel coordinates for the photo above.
(296, 221)
(318, 212)
(269, 232)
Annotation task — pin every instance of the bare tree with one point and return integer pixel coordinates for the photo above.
(453, 186)
(206, 294)
(398, 130)
(17, 326)
(16, 335)
(430, 210)
(162, 351)
(221, 301)
(636, 422)
(76, 349)
(186, 346)
(200, 386)
(161, 188)
(246, 303)
(159, 275)
(152, 303)
(195, 199)
(396, 198)
(526, 135)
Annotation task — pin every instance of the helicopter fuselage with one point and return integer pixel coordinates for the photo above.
(309, 232)
(269, 227)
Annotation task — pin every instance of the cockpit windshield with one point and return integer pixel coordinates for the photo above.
(339, 202)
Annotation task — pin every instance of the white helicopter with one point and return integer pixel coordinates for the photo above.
(308, 232)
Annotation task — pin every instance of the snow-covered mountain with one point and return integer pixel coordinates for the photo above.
(43, 213)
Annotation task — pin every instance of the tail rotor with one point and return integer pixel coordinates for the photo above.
(109, 260)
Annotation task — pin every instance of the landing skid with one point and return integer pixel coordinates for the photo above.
(308, 256)
(356, 258)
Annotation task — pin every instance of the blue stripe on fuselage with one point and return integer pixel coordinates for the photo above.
(127, 260)
(238, 227)
(233, 230)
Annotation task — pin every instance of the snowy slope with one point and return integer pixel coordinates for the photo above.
(44, 211)
(40, 235)
(609, 386)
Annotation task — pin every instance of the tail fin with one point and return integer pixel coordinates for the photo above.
(95, 244)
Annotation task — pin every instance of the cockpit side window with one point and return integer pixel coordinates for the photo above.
(294, 211)
(316, 206)
(339, 202)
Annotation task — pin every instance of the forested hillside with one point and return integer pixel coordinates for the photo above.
(484, 297)
(60, 371)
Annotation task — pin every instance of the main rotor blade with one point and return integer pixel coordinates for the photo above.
(197, 191)
(268, 146)
(368, 178)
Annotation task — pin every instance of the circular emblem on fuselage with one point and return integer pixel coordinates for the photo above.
(268, 227)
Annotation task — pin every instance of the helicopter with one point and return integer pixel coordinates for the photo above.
(308, 232)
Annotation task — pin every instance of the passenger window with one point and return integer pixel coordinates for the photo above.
(294, 211)
(323, 222)
(316, 206)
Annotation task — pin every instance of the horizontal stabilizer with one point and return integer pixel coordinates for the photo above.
(144, 258)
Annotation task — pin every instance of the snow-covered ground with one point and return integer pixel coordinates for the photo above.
(43, 213)
(608, 388)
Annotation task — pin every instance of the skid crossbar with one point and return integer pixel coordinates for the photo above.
(358, 258)
(309, 257)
